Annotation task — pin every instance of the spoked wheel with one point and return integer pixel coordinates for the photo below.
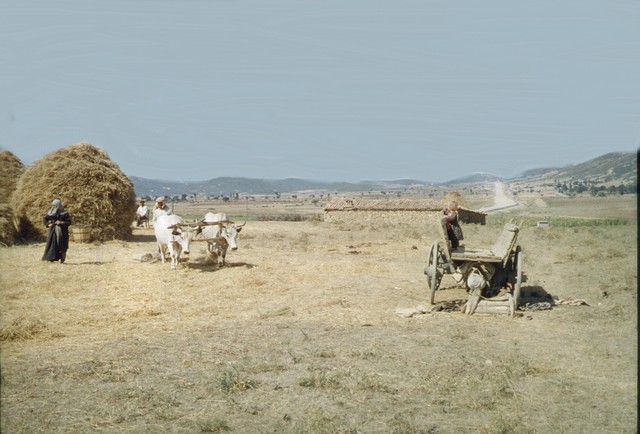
(433, 272)
(518, 271)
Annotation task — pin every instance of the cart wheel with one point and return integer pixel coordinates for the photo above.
(516, 290)
(434, 275)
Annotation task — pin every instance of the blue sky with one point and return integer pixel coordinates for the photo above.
(326, 90)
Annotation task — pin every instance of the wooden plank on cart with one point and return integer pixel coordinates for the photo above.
(464, 253)
(506, 241)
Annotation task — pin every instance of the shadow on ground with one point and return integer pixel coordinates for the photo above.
(208, 265)
(143, 238)
(535, 294)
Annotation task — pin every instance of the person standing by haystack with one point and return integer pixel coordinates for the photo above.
(57, 220)
(160, 209)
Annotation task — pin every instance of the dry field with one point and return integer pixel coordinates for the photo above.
(298, 334)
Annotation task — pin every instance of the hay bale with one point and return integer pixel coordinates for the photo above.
(92, 188)
(11, 168)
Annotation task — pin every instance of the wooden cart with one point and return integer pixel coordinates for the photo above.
(499, 267)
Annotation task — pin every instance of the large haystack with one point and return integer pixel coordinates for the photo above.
(94, 190)
(11, 168)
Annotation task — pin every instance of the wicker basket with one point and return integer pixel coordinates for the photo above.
(81, 235)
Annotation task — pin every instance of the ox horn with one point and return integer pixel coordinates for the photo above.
(239, 226)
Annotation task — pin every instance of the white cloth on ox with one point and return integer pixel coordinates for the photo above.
(476, 280)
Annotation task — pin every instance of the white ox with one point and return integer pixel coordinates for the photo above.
(220, 237)
(170, 236)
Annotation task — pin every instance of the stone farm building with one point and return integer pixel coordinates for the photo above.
(393, 210)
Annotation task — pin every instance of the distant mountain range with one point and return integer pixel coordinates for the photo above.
(475, 178)
(617, 166)
(621, 167)
(228, 186)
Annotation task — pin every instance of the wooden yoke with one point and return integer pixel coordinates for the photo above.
(198, 224)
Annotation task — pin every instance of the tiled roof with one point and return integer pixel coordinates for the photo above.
(342, 204)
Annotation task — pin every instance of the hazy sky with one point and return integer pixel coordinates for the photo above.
(336, 90)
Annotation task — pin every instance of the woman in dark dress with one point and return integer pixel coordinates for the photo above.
(58, 221)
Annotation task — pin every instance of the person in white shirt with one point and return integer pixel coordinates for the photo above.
(142, 213)
(160, 208)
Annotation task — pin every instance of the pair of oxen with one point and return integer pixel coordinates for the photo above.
(174, 236)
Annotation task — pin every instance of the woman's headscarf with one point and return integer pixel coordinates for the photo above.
(56, 207)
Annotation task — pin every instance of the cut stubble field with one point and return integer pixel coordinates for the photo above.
(299, 334)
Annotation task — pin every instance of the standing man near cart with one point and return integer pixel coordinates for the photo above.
(454, 231)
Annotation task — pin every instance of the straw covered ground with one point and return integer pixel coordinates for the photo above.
(299, 334)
